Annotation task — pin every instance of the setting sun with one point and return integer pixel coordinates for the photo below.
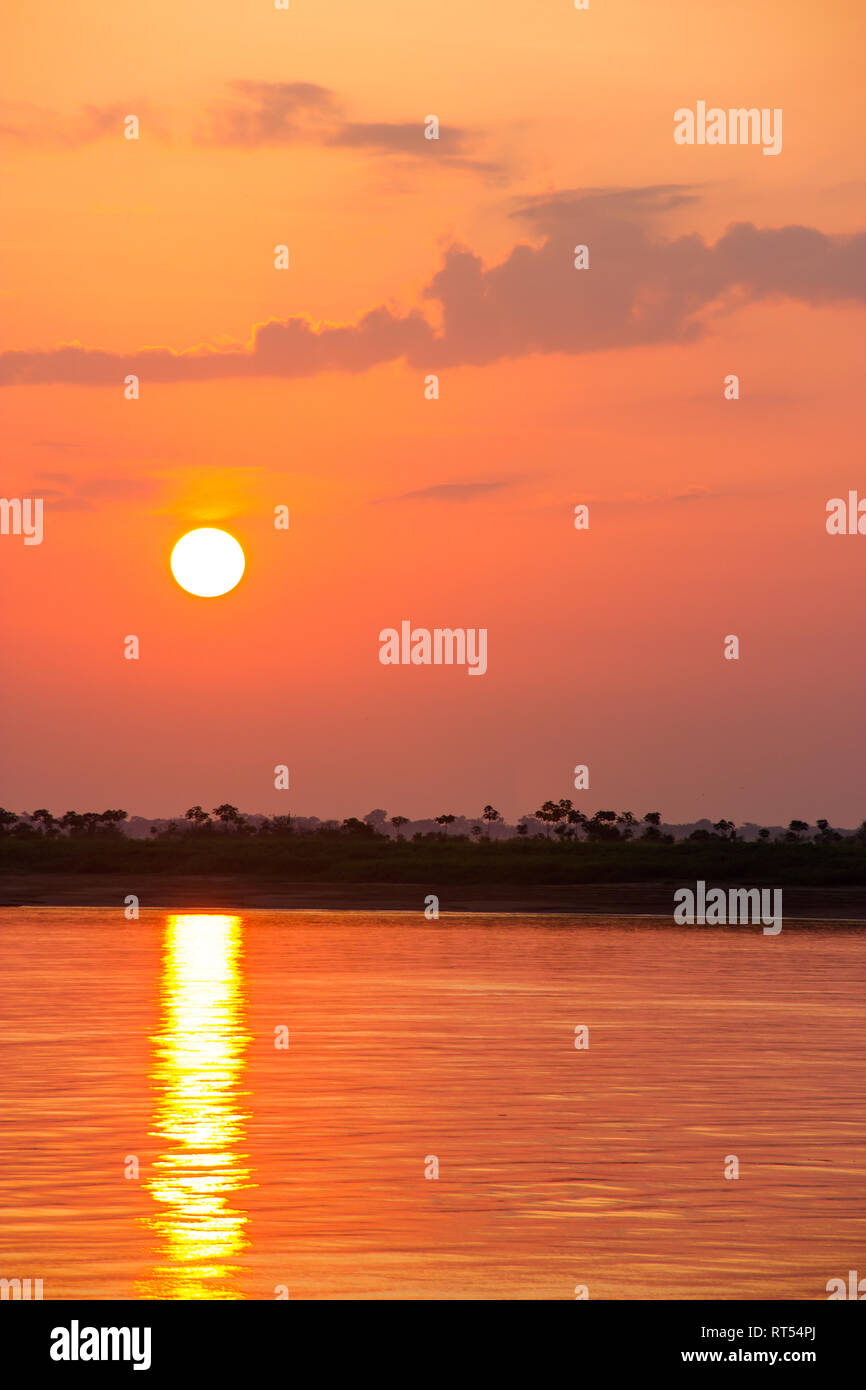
(207, 562)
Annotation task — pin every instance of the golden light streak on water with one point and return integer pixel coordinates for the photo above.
(198, 1070)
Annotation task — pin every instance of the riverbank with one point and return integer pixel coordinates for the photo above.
(235, 892)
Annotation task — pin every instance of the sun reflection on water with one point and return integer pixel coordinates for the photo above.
(198, 1064)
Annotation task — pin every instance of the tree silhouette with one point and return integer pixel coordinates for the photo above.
(229, 815)
(602, 826)
(826, 834)
(559, 818)
(549, 814)
(353, 826)
(796, 830)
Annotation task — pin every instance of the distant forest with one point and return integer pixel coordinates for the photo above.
(555, 844)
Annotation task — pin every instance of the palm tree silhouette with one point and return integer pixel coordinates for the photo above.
(46, 822)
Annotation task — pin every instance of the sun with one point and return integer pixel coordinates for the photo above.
(207, 562)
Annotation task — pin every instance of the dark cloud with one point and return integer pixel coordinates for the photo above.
(274, 113)
(407, 139)
(642, 287)
(287, 348)
(259, 114)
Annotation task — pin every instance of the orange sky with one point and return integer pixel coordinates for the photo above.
(261, 127)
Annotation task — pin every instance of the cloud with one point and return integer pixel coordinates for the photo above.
(254, 115)
(262, 114)
(395, 137)
(407, 139)
(273, 113)
(695, 494)
(33, 126)
(71, 495)
(447, 492)
(642, 288)
(282, 348)
(118, 489)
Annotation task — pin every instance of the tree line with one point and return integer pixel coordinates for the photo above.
(558, 818)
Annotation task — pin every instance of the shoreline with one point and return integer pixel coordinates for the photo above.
(234, 892)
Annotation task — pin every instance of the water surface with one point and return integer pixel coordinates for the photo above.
(155, 1142)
